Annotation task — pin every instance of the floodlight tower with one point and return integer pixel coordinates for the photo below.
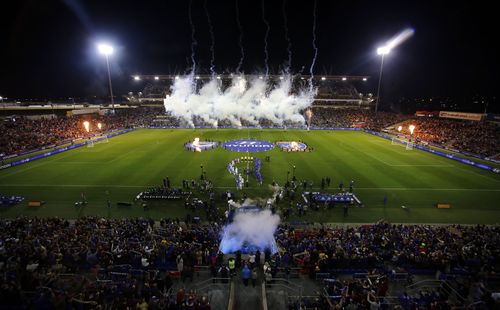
(384, 50)
(106, 50)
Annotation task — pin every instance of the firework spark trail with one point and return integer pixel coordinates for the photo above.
(265, 38)
(212, 40)
(193, 38)
(287, 38)
(314, 47)
(240, 29)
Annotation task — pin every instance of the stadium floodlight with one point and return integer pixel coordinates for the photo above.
(99, 125)
(157, 78)
(383, 50)
(323, 78)
(176, 77)
(137, 78)
(86, 125)
(218, 77)
(344, 79)
(386, 49)
(364, 79)
(281, 78)
(106, 50)
(197, 77)
(412, 128)
(261, 77)
(400, 128)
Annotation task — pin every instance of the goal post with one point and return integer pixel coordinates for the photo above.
(409, 146)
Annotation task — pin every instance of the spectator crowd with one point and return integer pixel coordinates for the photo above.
(21, 134)
(480, 138)
(134, 259)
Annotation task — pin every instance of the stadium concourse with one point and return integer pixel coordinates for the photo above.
(104, 263)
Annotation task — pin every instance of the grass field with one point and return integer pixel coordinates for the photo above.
(130, 163)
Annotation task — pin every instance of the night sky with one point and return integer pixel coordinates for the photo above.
(48, 47)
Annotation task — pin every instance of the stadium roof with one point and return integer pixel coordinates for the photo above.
(271, 76)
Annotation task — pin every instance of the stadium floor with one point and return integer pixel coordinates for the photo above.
(130, 163)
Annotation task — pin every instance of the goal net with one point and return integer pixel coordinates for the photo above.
(407, 144)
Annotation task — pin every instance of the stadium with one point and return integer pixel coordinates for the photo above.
(266, 190)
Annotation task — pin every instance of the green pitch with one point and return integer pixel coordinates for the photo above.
(127, 164)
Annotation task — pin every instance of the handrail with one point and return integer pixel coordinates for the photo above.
(231, 301)
(264, 295)
(435, 283)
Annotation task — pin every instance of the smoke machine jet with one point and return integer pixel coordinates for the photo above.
(248, 100)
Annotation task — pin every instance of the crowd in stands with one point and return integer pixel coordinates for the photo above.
(479, 138)
(418, 246)
(24, 134)
(383, 250)
(328, 117)
(21, 134)
(133, 259)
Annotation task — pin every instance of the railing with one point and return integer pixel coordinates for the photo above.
(295, 289)
(435, 284)
(264, 296)
(232, 300)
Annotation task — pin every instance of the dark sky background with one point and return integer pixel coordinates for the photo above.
(48, 46)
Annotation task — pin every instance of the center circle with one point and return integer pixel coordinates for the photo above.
(248, 145)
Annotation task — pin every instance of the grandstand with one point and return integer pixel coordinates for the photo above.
(116, 236)
(333, 90)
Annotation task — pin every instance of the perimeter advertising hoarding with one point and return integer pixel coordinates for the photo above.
(461, 115)
(493, 117)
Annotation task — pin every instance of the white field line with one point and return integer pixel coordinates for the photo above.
(408, 165)
(258, 187)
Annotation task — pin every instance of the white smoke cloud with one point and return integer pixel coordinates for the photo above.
(254, 229)
(242, 100)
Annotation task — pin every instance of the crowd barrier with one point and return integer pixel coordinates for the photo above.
(63, 149)
(443, 154)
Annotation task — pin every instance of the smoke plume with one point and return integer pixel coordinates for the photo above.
(254, 230)
(242, 100)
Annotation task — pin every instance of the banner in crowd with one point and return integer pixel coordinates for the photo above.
(461, 115)
(426, 113)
